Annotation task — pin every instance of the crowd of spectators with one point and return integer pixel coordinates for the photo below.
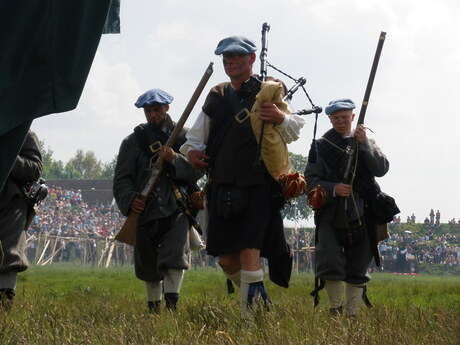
(403, 252)
(75, 229)
(78, 231)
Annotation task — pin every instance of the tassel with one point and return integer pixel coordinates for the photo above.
(313, 153)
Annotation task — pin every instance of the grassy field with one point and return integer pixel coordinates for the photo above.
(77, 305)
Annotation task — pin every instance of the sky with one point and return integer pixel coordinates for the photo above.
(413, 110)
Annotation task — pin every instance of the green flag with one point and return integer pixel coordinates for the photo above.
(47, 48)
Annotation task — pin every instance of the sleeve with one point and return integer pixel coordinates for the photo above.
(28, 165)
(124, 185)
(290, 128)
(184, 171)
(315, 176)
(375, 160)
(197, 136)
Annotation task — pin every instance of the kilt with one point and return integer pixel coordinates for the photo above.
(259, 226)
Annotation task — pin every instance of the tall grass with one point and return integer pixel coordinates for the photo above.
(72, 305)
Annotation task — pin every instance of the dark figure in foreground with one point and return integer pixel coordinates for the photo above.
(14, 214)
(162, 247)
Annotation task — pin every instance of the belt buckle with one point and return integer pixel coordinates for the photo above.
(242, 115)
(155, 147)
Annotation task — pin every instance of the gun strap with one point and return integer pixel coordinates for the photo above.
(151, 140)
(319, 285)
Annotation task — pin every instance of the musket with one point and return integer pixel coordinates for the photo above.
(127, 234)
(340, 218)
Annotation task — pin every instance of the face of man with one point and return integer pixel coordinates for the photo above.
(156, 113)
(341, 121)
(238, 66)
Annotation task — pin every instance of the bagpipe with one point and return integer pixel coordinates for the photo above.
(272, 149)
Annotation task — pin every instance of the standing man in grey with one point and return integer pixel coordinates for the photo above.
(14, 212)
(344, 255)
(161, 252)
(244, 201)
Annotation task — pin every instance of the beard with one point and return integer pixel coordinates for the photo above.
(155, 126)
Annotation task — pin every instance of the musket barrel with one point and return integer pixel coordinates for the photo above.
(340, 217)
(370, 82)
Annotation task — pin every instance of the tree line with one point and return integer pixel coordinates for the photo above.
(82, 166)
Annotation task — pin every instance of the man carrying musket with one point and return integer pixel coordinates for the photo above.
(344, 255)
(244, 200)
(161, 250)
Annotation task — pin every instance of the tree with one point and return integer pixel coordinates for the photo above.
(108, 169)
(52, 169)
(85, 164)
(297, 209)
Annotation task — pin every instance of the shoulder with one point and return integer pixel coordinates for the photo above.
(214, 99)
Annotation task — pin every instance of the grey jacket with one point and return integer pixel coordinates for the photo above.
(131, 174)
(318, 174)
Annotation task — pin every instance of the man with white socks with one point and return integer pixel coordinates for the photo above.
(343, 255)
(244, 201)
(161, 250)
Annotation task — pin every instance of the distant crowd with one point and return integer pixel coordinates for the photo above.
(76, 229)
(433, 219)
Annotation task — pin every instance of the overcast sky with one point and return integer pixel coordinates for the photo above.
(413, 108)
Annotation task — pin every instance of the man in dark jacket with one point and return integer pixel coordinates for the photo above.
(14, 212)
(161, 251)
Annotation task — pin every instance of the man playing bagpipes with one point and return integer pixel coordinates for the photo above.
(244, 197)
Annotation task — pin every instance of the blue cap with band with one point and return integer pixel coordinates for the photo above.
(153, 96)
(339, 104)
(235, 44)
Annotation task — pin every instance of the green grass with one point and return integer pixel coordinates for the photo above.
(80, 305)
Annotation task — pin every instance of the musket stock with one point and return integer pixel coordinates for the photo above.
(340, 218)
(127, 234)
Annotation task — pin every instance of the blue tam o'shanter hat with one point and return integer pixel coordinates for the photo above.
(153, 96)
(235, 44)
(339, 104)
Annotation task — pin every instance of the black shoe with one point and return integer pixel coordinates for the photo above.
(336, 311)
(154, 307)
(6, 298)
(171, 299)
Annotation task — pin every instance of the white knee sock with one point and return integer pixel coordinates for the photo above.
(173, 280)
(248, 277)
(235, 278)
(154, 290)
(353, 298)
(334, 293)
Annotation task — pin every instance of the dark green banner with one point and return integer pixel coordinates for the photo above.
(47, 48)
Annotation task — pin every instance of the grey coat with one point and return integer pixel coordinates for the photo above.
(162, 232)
(334, 259)
(14, 207)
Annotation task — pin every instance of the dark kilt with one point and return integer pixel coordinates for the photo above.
(259, 227)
